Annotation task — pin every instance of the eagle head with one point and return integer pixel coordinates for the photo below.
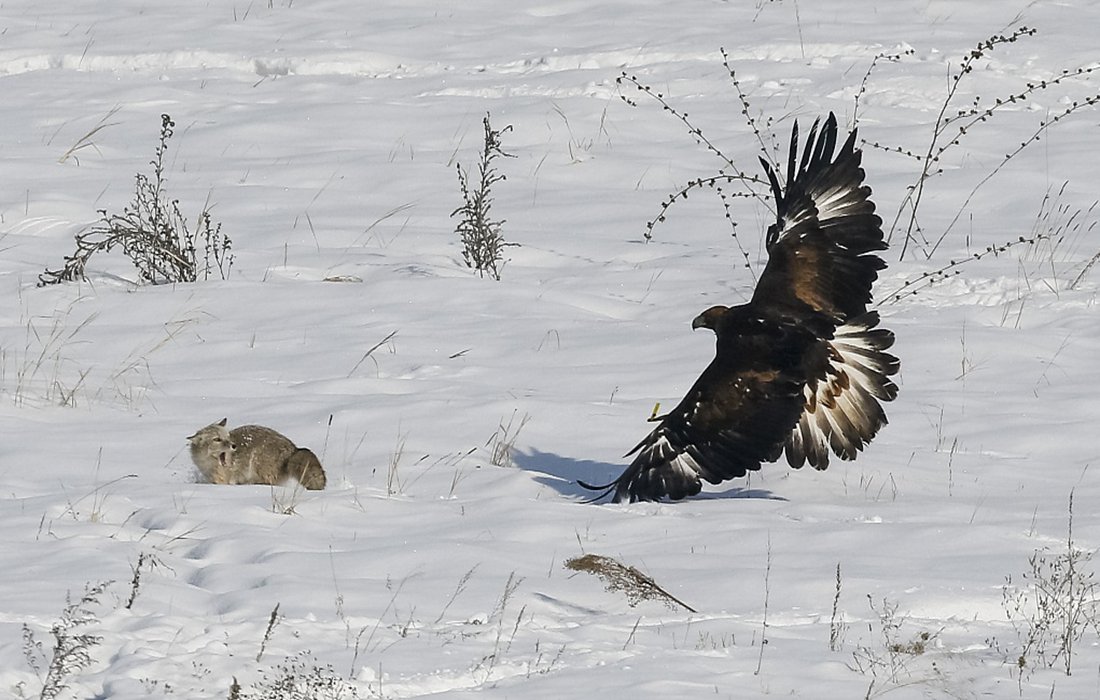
(709, 318)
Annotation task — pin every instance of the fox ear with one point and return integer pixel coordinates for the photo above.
(222, 422)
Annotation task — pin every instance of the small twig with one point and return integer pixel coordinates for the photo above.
(374, 347)
(135, 582)
(271, 623)
(764, 621)
(836, 627)
(457, 592)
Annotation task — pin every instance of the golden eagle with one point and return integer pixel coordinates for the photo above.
(802, 367)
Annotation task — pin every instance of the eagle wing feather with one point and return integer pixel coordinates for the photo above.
(727, 424)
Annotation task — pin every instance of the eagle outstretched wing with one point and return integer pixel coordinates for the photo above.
(847, 377)
(821, 248)
(803, 366)
(734, 417)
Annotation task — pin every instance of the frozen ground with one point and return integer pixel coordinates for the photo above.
(324, 135)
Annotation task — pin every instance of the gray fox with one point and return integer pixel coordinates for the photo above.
(253, 454)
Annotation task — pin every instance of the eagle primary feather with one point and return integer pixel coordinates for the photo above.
(802, 368)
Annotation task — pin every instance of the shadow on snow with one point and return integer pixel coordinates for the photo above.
(562, 473)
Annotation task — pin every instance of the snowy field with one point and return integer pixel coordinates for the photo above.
(324, 136)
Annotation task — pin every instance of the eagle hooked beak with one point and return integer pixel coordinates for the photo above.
(709, 318)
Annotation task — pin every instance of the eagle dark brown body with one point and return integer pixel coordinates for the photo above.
(801, 368)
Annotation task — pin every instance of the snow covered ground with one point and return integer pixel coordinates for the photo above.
(324, 136)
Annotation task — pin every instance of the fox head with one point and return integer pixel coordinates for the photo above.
(213, 440)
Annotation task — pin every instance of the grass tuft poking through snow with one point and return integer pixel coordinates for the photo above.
(153, 234)
(619, 577)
